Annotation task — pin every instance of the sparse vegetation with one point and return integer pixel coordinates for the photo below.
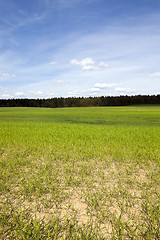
(80, 173)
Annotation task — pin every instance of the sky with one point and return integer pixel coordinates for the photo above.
(75, 48)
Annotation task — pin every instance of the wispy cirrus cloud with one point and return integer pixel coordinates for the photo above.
(63, 4)
(46, 46)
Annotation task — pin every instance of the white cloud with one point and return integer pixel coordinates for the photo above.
(88, 64)
(105, 85)
(6, 95)
(94, 89)
(120, 45)
(90, 68)
(52, 63)
(104, 65)
(154, 75)
(74, 62)
(83, 62)
(125, 90)
(59, 81)
(120, 89)
(75, 93)
(39, 92)
(19, 94)
(36, 92)
(87, 61)
(87, 92)
(5, 75)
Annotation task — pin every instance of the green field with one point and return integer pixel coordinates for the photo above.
(80, 173)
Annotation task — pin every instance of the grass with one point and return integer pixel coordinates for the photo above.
(80, 173)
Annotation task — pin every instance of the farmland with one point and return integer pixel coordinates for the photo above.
(80, 173)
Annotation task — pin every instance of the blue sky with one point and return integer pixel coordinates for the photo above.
(64, 48)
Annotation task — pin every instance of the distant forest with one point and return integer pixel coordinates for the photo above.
(81, 101)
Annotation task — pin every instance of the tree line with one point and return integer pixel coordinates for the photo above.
(81, 101)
